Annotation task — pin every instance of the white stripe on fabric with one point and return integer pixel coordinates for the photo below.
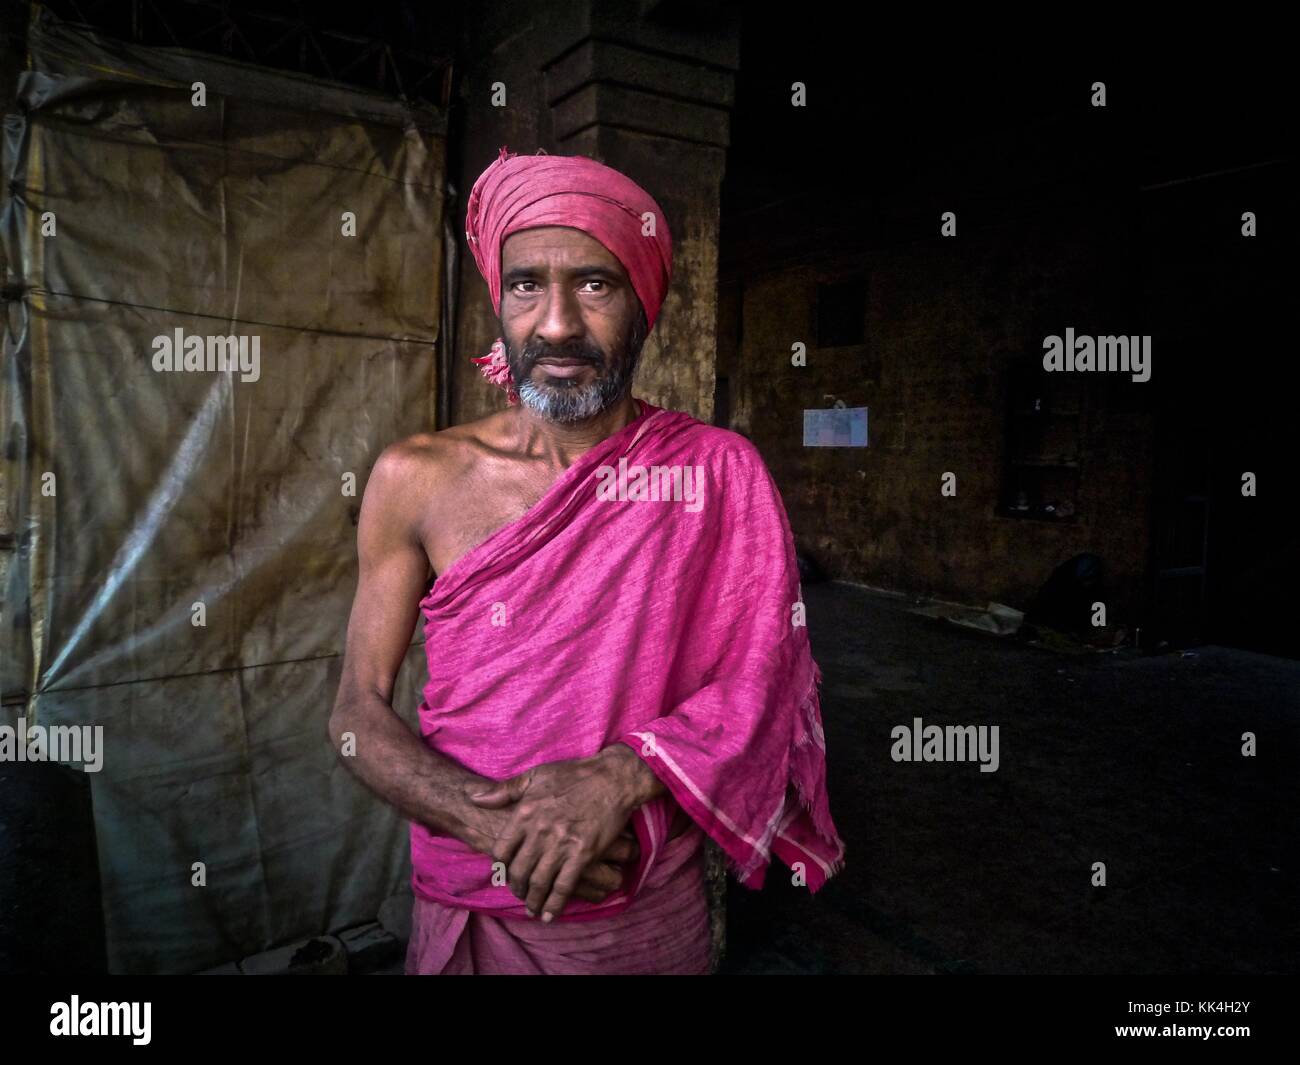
(825, 866)
(649, 737)
(654, 850)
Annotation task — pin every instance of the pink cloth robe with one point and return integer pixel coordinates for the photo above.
(650, 597)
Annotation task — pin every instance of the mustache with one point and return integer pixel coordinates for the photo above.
(534, 353)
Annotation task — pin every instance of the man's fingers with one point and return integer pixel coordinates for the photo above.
(541, 879)
(521, 868)
(493, 798)
(508, 844)
(502, 793)
(588, 893)
(621, 850)
(607, 877)
(568, 879)
(599, 881)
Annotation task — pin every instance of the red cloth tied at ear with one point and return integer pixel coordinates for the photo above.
(526, 191)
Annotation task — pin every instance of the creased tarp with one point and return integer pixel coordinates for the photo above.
(230, 769)
(177, 489)
(62, 49)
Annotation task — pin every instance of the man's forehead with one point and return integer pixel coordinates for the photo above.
(555, 245)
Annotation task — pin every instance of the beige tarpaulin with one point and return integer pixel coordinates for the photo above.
(179, 549)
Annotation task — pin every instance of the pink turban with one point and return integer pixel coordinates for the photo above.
(526, 191)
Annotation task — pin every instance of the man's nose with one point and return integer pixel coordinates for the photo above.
(560, 318)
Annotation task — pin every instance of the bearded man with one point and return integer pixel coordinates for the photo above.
(617, 660)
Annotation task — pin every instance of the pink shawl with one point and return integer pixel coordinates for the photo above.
(608, 613)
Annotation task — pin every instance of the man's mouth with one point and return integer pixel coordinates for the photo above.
(563, 367)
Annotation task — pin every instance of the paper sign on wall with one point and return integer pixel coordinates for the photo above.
(836, 427)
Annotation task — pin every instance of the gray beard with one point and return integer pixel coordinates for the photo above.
(568, 404)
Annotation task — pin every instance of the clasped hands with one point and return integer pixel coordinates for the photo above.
(562, 828)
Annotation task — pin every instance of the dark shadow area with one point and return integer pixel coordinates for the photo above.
(1133, 761)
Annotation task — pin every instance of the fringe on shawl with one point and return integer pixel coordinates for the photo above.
(808, 775)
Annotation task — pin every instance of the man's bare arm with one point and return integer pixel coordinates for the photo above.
(390, 758)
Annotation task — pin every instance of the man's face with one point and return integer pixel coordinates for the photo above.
(572, 323)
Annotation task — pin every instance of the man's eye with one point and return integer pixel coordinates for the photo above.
(594, 281)
(518, 283)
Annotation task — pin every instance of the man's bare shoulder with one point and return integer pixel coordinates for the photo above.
(423, 466)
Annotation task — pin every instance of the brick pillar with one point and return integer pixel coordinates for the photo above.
(662, 120)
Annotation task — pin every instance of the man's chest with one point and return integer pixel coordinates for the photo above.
(463, 515)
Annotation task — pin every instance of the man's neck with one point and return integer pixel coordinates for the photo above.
(562, 444)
